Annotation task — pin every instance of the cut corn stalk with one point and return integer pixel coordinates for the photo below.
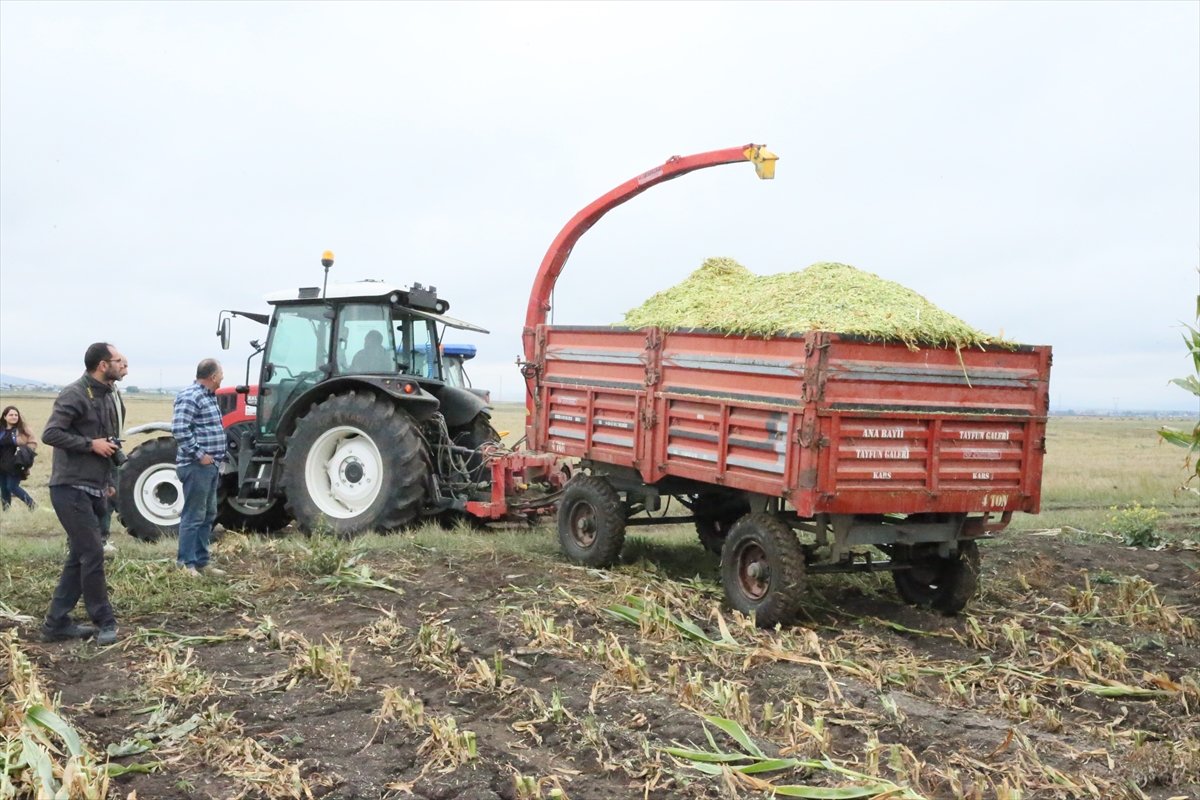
(349, 576)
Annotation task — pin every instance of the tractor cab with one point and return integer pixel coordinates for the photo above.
(361, 421)
(366, 332)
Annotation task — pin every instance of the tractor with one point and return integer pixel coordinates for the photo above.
(362, 419)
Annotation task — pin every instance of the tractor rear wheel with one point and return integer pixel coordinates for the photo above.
(355, 463)
(474, 435)
(591, 521)
(943, 584)
(150, 496)
(762, 570)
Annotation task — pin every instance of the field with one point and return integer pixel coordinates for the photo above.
(468, 665)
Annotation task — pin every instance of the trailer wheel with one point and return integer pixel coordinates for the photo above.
(150, 497)
(762, 569)
(353, 464)
(943, 584)
(715, 517)
(591, 521)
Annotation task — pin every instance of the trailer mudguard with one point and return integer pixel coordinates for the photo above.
(459, 406)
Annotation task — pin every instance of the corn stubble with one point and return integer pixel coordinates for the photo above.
(725, 296)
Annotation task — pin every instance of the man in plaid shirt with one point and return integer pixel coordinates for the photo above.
(200, 442)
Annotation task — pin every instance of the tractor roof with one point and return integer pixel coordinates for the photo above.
(338, 291)
(418, 300)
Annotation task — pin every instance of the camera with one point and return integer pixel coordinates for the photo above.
(119, 457)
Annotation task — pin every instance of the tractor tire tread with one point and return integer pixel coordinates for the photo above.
(399, 444)
(160, 450)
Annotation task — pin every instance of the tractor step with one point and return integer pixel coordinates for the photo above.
(256, 481)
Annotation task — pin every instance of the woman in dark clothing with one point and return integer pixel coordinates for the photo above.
(14, 433)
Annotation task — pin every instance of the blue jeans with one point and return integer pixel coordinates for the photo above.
(199, 512)
(10, 486)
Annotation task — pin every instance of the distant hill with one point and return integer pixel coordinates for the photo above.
(12, 380)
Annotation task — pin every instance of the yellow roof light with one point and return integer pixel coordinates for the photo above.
(327, 259)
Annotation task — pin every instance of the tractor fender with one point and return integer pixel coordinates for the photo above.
(418, 404)
(459, 406)
(164, 427)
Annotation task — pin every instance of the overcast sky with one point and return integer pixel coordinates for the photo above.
(1029, 167)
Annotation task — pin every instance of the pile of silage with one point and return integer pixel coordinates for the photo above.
(725, 296)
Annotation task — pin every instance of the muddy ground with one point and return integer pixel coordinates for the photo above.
(995, 703)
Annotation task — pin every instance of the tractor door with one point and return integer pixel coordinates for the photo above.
(296, 359)
(417, 347)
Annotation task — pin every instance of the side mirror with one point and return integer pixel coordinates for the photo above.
(224, 333)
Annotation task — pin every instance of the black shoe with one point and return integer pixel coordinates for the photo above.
(71, 631)
(107, 635)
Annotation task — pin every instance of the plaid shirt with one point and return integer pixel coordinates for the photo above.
(197, 426)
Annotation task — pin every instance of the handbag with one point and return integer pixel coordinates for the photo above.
(23, 458)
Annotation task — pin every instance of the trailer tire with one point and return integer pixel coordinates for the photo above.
(945, 585)
(591, 521)
(715, 518)
(761, 543)
(354, 463)
(149, 497)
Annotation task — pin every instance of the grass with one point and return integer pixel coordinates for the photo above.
(1095, 463)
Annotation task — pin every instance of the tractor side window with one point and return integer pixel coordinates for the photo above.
(455, 375)
(297, 349)
(365, 343)
(417, 348)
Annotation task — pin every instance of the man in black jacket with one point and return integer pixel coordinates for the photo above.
(81, 429)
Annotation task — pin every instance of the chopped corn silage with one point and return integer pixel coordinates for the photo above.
(725, 296)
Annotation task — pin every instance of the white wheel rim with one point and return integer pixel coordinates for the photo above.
(158, 495)
(343, 472)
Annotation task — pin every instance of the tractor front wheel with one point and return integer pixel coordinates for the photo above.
(591, 521)
(234, 516)
(762, 570)
(355, 463)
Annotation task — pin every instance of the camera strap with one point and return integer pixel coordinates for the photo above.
(118, 415)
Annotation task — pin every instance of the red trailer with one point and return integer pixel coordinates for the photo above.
(792, 453)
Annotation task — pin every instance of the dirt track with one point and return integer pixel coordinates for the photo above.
(862, 676)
